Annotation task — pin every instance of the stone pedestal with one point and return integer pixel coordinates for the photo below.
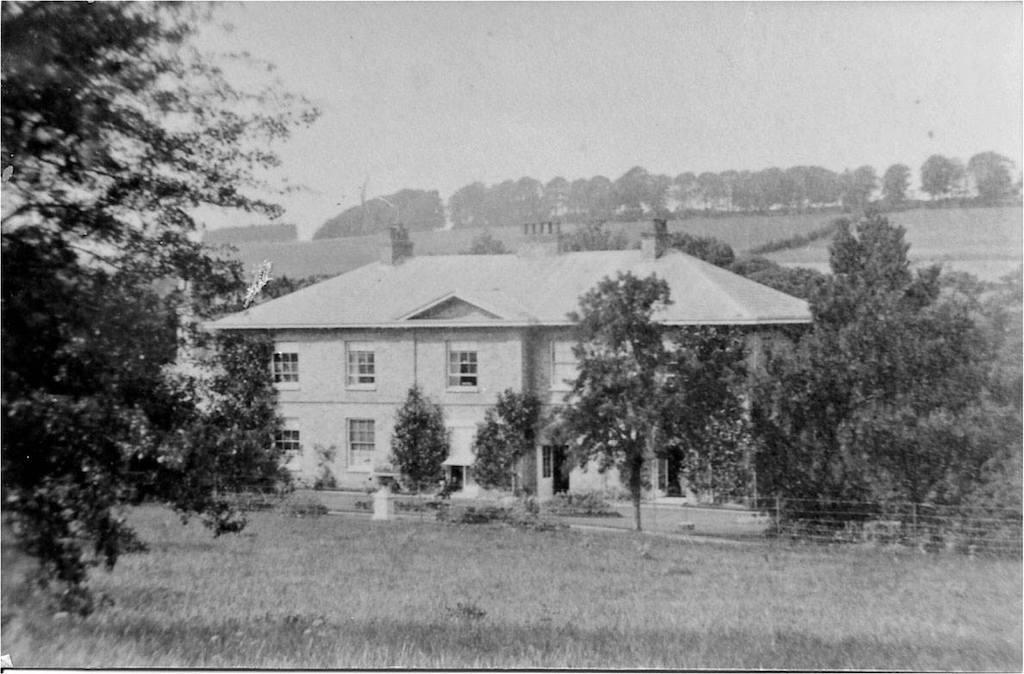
(383, 506)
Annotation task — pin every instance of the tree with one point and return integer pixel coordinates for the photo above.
(939, 175)
(615, 406)
(556, 198)
(895, 184)
(593, 236)
(505, 436)
(466, 206)
(887, 397)
(857, 187)
(706, 248)
(487, 244)
(992, 174)
(419, 442)
(114, 131)
(702, 421)
(712, 188)
(796, 281)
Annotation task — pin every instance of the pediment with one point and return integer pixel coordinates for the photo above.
(451, 308)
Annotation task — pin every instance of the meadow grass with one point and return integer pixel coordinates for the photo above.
(984, 241)
(347, 592)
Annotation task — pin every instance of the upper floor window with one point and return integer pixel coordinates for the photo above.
(564, 368)
(361, 443)
(462, 369)
(286, 367)
(362, 368)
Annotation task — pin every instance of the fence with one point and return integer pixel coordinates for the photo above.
(924, 526)
(932, 528)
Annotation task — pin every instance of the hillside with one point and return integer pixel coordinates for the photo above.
(983, 241)
(251, 234)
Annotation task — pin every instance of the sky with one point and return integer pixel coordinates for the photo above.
(439, 95)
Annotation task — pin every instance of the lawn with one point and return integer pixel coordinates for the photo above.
(339, 591)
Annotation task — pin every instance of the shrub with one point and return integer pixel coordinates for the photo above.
(419, 443)
(586, 504)
(325, 476)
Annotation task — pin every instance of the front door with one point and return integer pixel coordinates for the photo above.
(560, 459)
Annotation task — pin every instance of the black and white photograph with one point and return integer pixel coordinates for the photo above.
(512, 335)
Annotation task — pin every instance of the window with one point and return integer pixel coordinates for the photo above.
(286, 367)
(462, 369)
(361, 444)
(663, 474)
(564, 368)
(546, 461)
(287, 440)
(362, 369)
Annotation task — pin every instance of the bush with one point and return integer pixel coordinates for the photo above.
(325, 476)
(522, 513)
(586, 504)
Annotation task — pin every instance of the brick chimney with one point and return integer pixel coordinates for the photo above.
(541, 239)
(654, 244)
(398, 247)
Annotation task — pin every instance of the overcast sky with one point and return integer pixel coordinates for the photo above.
(437, 95)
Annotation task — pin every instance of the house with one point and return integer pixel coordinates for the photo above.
(464, 328)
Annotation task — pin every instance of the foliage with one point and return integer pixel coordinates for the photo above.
(114, 132)
(939, 175)
(857, 187)
(890, 396)
(584, 504)
(593, 236)
(992, 175)
(895, 184)
(615, 405)
(701, 419)
(324, 460)
(799, 281)
(487, 244)
(419, 441)
(504, 437)
(706, 248)
(417, 210)
(796, 241)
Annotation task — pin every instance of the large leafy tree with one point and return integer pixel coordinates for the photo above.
(890, 396)
(615, 406)
(114, 133)
(702, 420)
(939, 175)
(895, 183)
(992, 175)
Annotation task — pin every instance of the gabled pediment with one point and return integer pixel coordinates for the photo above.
(451, 307)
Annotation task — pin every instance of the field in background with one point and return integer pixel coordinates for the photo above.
(346, 592)
(983, 241)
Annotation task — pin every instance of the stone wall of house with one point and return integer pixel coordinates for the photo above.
(322, 403)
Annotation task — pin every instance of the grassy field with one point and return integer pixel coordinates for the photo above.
(983, 241)
(347, 592)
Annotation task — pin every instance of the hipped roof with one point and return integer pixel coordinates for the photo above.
(513, 290)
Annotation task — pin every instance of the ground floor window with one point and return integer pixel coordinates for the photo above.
(663, 474)
(361, 443)
(287, 440)
(545, 463)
